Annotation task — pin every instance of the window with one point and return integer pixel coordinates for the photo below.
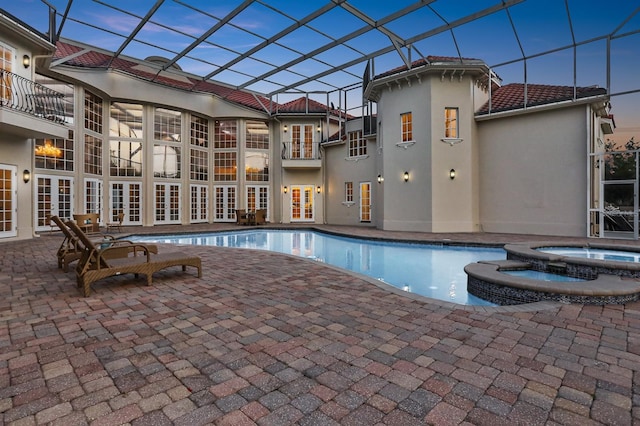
(6, 63)
(54, 154)
(92, 155)
(357, 145)
(92, 113)
(199, 132)
(167, 125)
(126, 120)
(407, 127)
(451, 123)
(257, 166)
(199, 165)
(125, 158)
(348, 192)
(166, 161)
(225, 134)
(257, 136)
(224, 166)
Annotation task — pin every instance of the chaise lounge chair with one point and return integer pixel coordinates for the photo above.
(123, 257)
(70, 249)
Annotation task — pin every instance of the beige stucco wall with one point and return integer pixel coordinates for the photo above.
(533, 176)
(17, 151)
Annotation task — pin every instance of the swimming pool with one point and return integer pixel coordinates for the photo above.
(594, 253)
(428, 270)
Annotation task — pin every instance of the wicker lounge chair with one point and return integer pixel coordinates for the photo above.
(70, 249)
(242, 218)
(261, 217)
(123, 257)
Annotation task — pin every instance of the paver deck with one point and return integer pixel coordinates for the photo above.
(270, 339)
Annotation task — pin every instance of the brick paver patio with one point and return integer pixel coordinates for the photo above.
(270, 339)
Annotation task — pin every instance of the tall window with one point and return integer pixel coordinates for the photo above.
(407, 126)
(451, 123)
(225, 134)
(125, 145)
(93, 134)
(348, 192)
(92, 113)
(199, 156)
(6, 63)
(167, 133)
(224, 166)
(357, 145)
(92, 155)
(256, 166)
(257, 136)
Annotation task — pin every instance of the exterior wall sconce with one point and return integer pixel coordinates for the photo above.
(285, 128)
(452, 174)
(285, 189)
(26, 176)
(319, 129)
(26, 61)
(405, 176)
(318, 189)
(380, 179)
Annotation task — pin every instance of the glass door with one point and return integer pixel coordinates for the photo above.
(302, 203)
(93, 197)
(225, 203)
(199, 201)
(365, 202)
(8, 210)
(54, 197)
(126, 197)
(257, 198)
(167, 203)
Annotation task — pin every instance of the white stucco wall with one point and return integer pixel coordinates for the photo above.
(533, 177)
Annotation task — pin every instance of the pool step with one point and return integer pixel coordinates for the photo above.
(557, 267)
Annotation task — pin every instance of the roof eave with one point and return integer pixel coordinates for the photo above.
(544, 107)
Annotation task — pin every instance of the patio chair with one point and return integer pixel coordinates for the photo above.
(123, 257)
(117, 224)
(242, 218)
(70, 249)
(261, 217)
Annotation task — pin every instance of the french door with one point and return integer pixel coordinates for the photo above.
(224, 203)
(126, 197)
(53, 197)
(199, 203)
(257, 198)
(8, 199)
(167, 203)
(302, 203)
(365, 202)
(93, 197)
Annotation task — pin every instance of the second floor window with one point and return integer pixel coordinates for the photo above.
(451, 123)
(407, 126)
(348, 192)
(357, 145)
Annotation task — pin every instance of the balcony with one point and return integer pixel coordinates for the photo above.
(29, 109)
(301, 155)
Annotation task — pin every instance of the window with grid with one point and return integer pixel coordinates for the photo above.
(92, 112)
(92, 155)
(348, 192)
(224, 166)
(357, 145)
(225, 134)
(54, 154)
(126, 120)
(451, 123)
(199, 136)
(125, 158)
(257, 136)
(167, 125)
(199, 165)
(256, 166)
(66, 100)
(6, 63)
(407, 126)
(167, 161)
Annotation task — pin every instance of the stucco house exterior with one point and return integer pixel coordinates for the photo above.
(448, 149)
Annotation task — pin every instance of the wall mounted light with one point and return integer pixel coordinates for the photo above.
(405, 176)
(26, 176)
(380, 179)
(319, 129)
(452, 174)
(285, 189)
(318, 189)
(26, 61)
(285, 128)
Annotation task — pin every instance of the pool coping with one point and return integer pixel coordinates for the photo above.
(524, 307)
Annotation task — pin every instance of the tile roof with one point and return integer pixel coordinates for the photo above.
(304, 105)
(511, 96)
(94, 59)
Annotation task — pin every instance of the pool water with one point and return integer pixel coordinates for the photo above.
(593, 253)
(428, 270)
(541, 276)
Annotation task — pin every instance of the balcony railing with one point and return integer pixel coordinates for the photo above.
(21, 94)
(300, 151)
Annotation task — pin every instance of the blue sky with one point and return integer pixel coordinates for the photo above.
(540, 26)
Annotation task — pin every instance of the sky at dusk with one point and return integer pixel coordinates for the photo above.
(606, 36)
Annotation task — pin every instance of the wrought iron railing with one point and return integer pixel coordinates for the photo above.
(300, 151)
(19, 93)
